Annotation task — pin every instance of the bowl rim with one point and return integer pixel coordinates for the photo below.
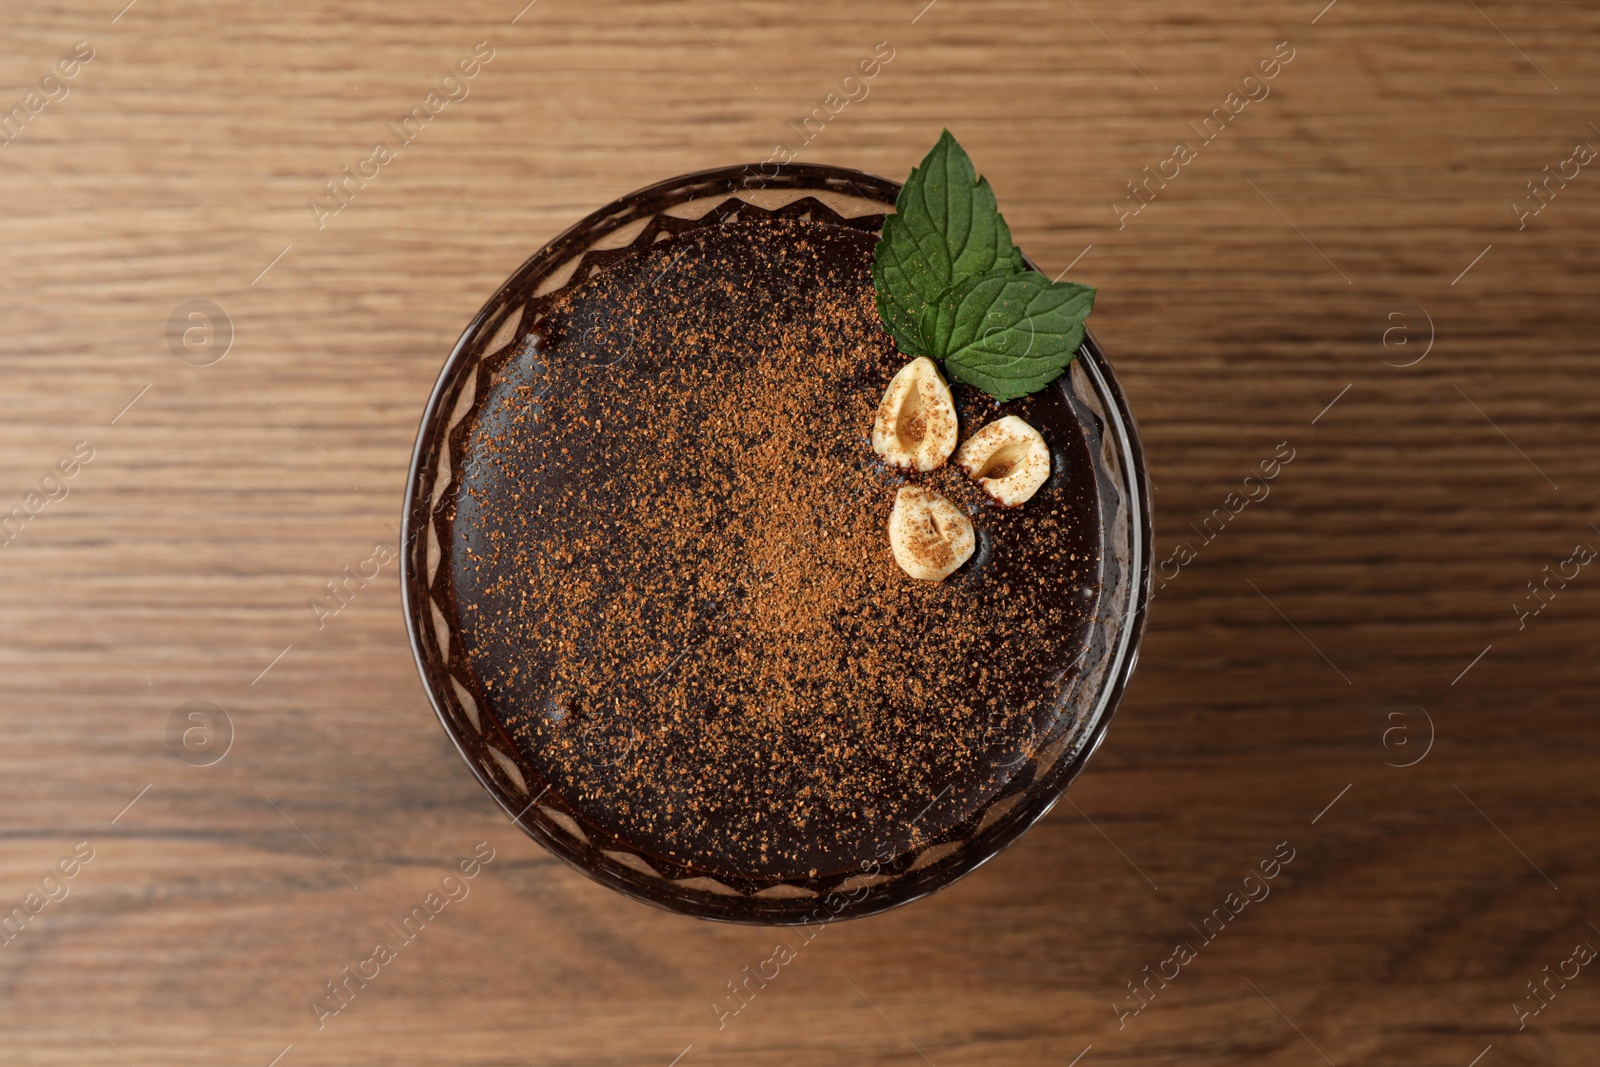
(747, 909)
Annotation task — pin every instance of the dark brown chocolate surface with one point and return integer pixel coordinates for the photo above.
(674, 582)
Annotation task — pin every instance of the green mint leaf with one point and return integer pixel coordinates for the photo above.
(898, 318)
(1007, 333)
(946, 226)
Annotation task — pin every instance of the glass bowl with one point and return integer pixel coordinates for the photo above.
(506, 325)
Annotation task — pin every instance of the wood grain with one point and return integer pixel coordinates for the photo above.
(1254, 289)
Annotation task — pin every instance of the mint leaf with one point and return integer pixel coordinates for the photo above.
(946, 226)
(951, 285)
(1007, 333)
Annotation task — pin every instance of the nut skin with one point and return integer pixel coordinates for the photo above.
(916, 425)
(1008, 458)
(930, 536)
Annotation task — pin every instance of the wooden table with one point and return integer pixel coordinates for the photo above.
(1341, 268)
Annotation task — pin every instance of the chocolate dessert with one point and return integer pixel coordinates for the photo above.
(673, 586)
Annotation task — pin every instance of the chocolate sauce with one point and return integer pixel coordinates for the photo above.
(673, 578)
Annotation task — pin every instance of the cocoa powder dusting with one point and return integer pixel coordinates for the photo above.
(673, 576)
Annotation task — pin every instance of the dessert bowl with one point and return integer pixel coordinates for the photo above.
(596, 804)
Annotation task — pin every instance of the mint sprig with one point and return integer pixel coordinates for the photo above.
(945, 226)
(951, 285)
